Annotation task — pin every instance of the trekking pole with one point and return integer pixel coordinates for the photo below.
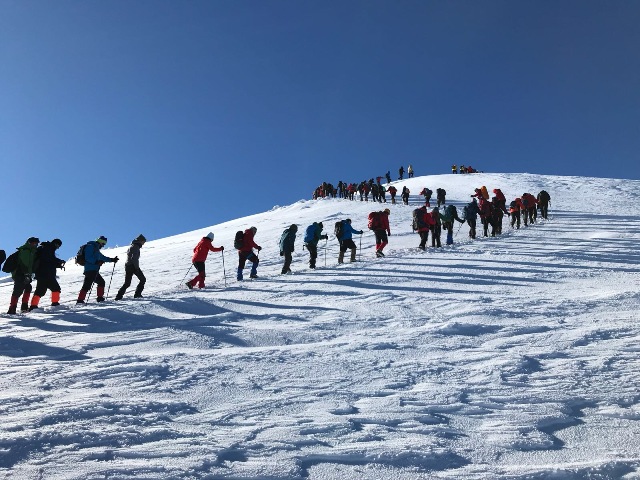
(186, 274)
(90, 290)
(459, 228)
(325, 251)
(224, 271)
(110, 279)
(360, 249)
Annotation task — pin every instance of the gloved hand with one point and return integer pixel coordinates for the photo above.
(27, 278)
(324, 237)
(361, 232)
(259, 248)
(115, 260)
(222, 248)
(281, 253)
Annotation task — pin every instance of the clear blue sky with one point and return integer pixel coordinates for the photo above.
(120, 117)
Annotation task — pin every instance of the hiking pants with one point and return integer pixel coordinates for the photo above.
(288, 258)
(544, 210)
(515, 219)
(45, 284)
(129, 272)
(91, 277)
(485, 226)
(472, 227)
(436, 230)
(313, 254)
(381, 239)
(424, 236)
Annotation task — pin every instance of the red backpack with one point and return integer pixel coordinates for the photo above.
(374, 221)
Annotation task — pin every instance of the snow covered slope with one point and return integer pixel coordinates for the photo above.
(509, 357)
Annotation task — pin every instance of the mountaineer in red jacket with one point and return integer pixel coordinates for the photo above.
(246, 253)
(531, 204)
(514, 209)
(199, 257)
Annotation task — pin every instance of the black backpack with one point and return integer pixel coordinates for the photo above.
(80, 260)
(544, 196)
(339, 229)
(11, 263)
(238, 241)
(418, 219)
(3, 256)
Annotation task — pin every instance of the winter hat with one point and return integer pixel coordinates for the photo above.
(57, 241)
(293, 228)
(102, 240)
(320, 225)
(254, 230)
(210, 236)
(140, 238)
(387, 211)
(33, 240)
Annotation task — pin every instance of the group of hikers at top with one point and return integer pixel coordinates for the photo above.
(39, 259)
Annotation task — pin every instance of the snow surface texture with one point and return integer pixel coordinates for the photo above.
(515, 357)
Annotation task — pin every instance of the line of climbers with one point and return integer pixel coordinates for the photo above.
(39, 259)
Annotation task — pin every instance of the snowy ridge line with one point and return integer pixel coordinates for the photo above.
(511, 359)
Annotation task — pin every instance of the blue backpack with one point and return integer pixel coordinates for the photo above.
(310, 233)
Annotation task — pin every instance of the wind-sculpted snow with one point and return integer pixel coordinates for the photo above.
(516, 357)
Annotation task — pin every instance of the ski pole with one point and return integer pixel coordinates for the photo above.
(110, 279)
(360, 249)
(186, 274)
(224, 271)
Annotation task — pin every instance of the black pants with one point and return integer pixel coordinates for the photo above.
(472, 227)
(424, 236)
(544, 210)
(436, 231)
(92, 277)
(313, 254)
(45, 284)
(348, 243)
(288, 258)
(20, 286)
(515, 219)
(129, 272)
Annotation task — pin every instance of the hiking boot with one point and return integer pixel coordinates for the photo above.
(138, 295)
(189, 286)
(24, 307)
(253, 275)
(422, 247)
(379, 254)
(100, 299)
(79, 301)
(33, 307)
(118, 297)
(55, 304)
(12, 310)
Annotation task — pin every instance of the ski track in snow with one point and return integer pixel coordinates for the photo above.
(514, 357)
